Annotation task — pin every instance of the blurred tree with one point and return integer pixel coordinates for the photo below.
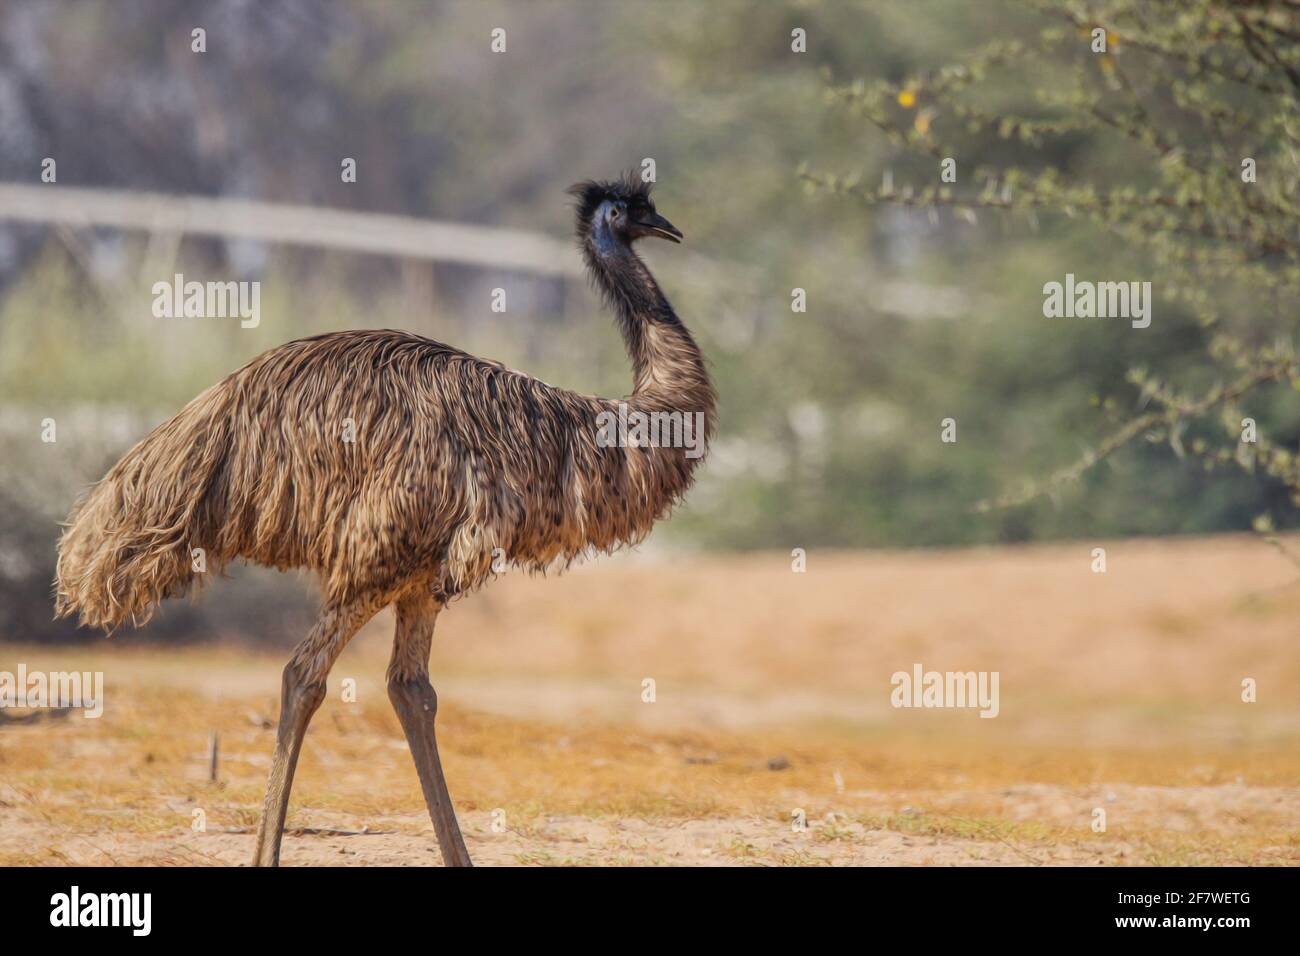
(1195, 103)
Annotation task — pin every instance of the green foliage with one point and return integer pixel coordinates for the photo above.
(1183, 98)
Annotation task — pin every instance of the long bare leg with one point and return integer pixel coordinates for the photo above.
(302, 690)
(416, 705)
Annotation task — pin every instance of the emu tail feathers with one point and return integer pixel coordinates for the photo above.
(128, 542)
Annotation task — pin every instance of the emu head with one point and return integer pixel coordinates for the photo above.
(618, 212)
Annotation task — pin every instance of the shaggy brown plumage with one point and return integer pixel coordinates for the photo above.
(398, 470)
(450, 457)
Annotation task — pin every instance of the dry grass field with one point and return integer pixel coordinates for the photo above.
(772, 694)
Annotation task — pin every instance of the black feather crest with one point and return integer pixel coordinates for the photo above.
(590, 193)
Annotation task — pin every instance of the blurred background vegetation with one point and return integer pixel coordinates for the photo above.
(830, 418)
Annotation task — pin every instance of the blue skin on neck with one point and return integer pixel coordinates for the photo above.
(603, 239)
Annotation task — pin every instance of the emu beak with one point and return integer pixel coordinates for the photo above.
(661, 227)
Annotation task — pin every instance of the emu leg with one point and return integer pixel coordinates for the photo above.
(302, 690)
(416, 704)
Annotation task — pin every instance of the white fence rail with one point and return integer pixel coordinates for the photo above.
(402, 236)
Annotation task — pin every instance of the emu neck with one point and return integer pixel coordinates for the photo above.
(667, 366)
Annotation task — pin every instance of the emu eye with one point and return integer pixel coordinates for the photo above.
(613, 212)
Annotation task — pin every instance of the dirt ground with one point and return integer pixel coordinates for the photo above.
(1119, 692)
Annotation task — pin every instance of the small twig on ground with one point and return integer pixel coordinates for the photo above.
(214, 756)
(37, 715)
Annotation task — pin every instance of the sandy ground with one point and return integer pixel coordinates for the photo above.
(325, 839)
(1119, 692)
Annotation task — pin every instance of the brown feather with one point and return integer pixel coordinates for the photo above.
(453, 456)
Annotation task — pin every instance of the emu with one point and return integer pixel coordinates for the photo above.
(395, 469)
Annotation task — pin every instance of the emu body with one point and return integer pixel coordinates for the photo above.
(398, 470)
